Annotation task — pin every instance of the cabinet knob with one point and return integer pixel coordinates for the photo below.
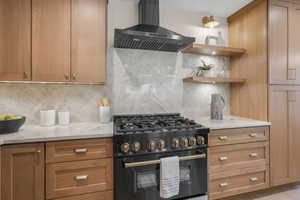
(25, 75)
(253, 155)
(224, 158)
(83, 177)
(253, 135)
(74, 76)
(82, 150)
(254, 179)
(223, 138)
(223, 184)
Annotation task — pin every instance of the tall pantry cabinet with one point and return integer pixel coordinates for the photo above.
(284, 90)
(270, 31)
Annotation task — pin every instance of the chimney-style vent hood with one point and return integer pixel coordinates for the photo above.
(148, 34)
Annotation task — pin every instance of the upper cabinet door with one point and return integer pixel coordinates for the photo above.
(284, 43)
(15, 40)
(88, 54)
(51, 40)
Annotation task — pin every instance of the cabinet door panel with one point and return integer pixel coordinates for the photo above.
(278, 42)
(88, 40)
(294, 40)
(51, 40)
(284, 134)
(23, 172)
(15, 40)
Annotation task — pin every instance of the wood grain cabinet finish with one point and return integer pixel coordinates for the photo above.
(15, 40)
(284, 112)
(237, 182)
(238, 136)
(88, 41)
(23, 172)
(51, 40)
(78, 150)
(284, 42)
(77, 178)
(239, 156)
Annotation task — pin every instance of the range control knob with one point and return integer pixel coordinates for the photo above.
(125, 147)
(184, 142)
(175, 143)
(135, 147)
(151, 146)
(192, 141)
(200, 140)
(161, 144)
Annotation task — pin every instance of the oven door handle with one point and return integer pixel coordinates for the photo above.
(155, 162)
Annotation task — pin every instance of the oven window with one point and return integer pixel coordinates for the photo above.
(185, 174)
(146, 180)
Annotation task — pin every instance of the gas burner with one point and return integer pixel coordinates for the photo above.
(153, 123)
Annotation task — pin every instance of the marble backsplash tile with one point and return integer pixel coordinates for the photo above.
(138, 82)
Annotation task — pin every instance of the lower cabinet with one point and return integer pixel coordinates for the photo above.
(284, 134)
(238, 161)
(23, 172)
(89, 176)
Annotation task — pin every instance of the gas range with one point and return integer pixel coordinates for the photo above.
(140, 141)
(156, 133)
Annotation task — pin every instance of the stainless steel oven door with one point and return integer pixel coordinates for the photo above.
(138, 178)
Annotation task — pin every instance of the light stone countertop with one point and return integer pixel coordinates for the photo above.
(230, 122)
(36, 133)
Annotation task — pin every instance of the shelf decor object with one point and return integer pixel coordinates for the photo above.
(210, 50)
(214, 80)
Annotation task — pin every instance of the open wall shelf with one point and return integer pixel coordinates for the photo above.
(210, 50)
(214, 80)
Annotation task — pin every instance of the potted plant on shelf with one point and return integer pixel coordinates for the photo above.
(202, 70)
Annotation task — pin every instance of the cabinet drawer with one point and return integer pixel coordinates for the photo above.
(78, 150)
(93, 196)
(238, 181)
(238, 136)
(239, 156)
(80, 177)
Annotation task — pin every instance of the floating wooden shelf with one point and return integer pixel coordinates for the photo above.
(210, 50)
(213, 80)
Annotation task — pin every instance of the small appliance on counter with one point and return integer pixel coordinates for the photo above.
(141, 145)
(104, 105)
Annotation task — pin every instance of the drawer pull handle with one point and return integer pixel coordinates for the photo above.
(253, 155)
(224, 158)
(83, 177)
(223, 184)
(253, 135)
(83, 150)
(253, 179)
(223, 138)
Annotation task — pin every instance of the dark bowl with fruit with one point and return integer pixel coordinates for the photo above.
(11, 123)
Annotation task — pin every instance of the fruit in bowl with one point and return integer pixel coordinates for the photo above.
(10, 123)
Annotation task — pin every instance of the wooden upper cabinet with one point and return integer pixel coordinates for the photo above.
(88, 53)
(23, 172)
(284, 134)
(51, 40)
(15, 40)
(284, 43)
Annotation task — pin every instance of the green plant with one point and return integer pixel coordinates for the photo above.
(198, 71)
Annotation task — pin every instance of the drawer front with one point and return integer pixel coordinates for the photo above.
(80, 177)
(238, 181)
(239, 156)
(78, 150)
(238, 136)
(93, 196)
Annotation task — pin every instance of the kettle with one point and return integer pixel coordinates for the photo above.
(217, 106)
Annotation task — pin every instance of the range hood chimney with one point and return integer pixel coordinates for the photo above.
(148, 34)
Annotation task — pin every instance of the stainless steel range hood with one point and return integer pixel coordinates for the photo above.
(148, 34)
